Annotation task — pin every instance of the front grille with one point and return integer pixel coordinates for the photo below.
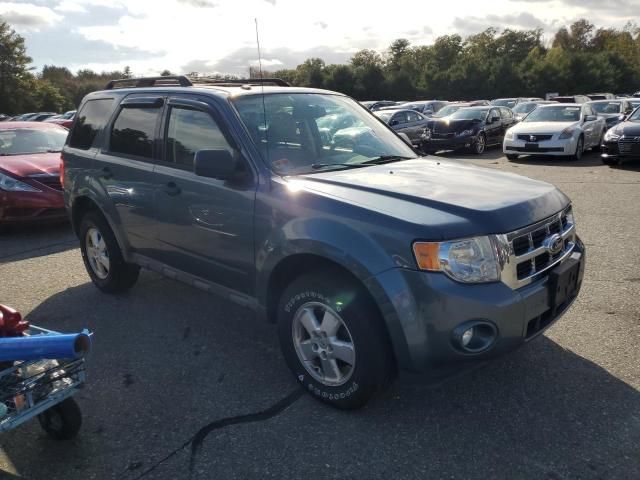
(51, 181)
(530, 254)
(441, 135)
(533, 137)
(629, 145)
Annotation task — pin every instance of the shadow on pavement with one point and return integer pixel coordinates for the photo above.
(170, 360)
(19, 242)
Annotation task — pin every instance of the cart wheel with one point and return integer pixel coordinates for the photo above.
(62, 421)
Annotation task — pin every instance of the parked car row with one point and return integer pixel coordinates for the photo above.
(64, 119)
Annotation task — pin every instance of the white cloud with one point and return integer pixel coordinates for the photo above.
(28, 16)
(70, 6)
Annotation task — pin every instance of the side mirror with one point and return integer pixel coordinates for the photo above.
(218, 164)
(406, 138)
(495, 119)
(393, 123)
(590, 118)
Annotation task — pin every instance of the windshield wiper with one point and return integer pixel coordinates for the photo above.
(318, 166)
(386, 159)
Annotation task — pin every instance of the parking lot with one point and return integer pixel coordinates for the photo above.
(171, 363)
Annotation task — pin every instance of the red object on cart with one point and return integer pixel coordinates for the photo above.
(11, 322)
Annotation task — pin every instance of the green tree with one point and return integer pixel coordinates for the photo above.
(14, 63)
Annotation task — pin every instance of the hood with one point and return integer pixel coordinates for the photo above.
(451, 126)
(446, 198)
(32, 164)
(542, 127)
(630, 129)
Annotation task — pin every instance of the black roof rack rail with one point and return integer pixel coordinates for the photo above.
(167, 81)
(240, 81)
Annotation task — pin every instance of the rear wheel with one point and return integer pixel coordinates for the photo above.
(512, 156)
(102, 256)
(333, 339)
(62, 421)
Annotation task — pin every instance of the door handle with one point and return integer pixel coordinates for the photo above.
(172, 189)
(106, 173)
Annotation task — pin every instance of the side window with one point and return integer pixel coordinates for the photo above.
(412, 117)
(493, 113)
(400, 118)
(506, 113)
(189, 131)
(93, 116)
(133, 131)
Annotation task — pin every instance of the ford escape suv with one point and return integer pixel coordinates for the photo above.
(367, 256)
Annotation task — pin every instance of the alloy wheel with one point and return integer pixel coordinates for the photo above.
(323, 344)
(480, 144)
(97, 253)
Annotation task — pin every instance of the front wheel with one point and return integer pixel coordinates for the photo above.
(610, 161)
(333, 339)
(579, 149)
(62, 421)
(512, 156)
(480, 144)
(102, 256)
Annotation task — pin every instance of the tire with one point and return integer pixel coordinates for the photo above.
(102, 256)
(512, 156)
(341, 318)
(579, 149)
(610, 161)
(62, 421)
(480, 145)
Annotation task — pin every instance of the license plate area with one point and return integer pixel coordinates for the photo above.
(563, 283)
(531, 146)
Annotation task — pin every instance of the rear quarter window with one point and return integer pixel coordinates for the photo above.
(92, 118)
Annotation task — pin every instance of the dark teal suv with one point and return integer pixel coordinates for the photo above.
(367, 256)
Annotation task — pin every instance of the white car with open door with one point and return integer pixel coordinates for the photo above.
(560, 129)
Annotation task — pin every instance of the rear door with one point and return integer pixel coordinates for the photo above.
(493, 129)
(508, 120)
(415, 125)
(204, 225)
(125, 166)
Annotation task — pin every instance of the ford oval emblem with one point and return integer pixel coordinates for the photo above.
(554, 244)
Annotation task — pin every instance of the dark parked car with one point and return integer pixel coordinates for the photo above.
(622, 142)
(41, 117)
(425, 107)
(473, 128)
(30, 188)
(368, 257)
(601, 96)
(409, 122)
(613, 111)
(523, 109)
(374, 105)
(571, 99)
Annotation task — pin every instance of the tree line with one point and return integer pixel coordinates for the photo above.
(490, 64)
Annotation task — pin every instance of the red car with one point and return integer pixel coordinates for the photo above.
(66, 119)
(30, 187)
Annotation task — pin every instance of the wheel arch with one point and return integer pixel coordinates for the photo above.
(85, 204)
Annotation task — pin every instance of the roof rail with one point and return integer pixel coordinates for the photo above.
(167, 81)
(240, 81)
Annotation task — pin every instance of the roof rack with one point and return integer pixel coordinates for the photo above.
(168, 81)
(233, 82)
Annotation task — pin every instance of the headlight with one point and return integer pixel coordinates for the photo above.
(509, 135)
(471, 260)
(567, 133)
(10, 184)
(465, 133)
(612, 134)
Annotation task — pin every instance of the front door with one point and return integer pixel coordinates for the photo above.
(493, 127)
(204, 225)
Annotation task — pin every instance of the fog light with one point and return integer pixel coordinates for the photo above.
(466, 337)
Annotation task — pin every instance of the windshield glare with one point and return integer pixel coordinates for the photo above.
(470, 114)
(554, 114)
(29, 140)
(299, 132)
(446, 111)
(607, 107)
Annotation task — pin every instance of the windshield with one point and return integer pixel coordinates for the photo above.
(470, 114)
(505, 102)
(295, 137)
(525, 107)
(635, 116)
(554, 114)
(23, 141)
(446, 111)
(606, 107)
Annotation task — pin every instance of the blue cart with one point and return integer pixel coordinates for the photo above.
(43, 389)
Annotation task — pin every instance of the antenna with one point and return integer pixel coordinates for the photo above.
(264, 106)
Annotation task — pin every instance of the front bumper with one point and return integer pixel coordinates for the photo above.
(611, 150)
(545, 147)
(454, 143)
(422, 310)
(25, 207)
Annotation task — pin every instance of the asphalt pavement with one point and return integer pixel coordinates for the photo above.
(184, 385)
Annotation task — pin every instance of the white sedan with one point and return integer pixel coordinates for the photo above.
(561, 129)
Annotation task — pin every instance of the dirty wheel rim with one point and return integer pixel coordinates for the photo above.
(323, 344)
(480, 144)
(97, 253)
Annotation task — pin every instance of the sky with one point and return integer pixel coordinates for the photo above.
(218, 36)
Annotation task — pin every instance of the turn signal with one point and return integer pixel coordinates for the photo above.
(427, 255)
